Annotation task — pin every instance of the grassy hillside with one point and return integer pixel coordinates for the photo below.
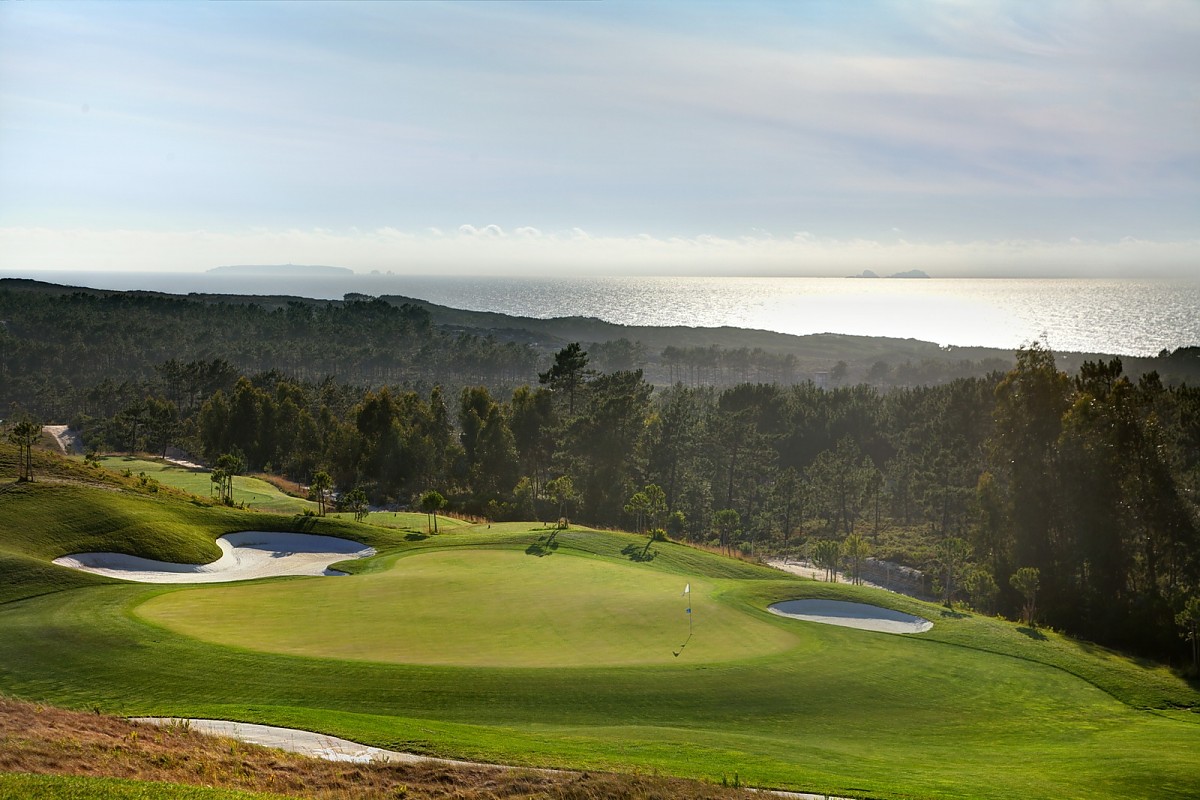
(53, 754)
(453, 645)
(253, 492)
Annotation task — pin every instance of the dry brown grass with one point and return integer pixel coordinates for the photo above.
(45, 740)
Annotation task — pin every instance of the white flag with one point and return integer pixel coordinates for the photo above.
(687, 589)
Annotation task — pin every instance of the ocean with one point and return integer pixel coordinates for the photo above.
(1119, 316)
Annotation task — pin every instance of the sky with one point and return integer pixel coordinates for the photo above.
(961, 137)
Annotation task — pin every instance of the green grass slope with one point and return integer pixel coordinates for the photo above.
(255, 493)
(973, 708)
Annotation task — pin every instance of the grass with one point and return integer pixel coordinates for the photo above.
(47, 752)
(58, 787)
(974, 708)
(469, 607)
(255, 493)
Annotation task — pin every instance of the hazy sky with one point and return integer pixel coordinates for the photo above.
(962, 137)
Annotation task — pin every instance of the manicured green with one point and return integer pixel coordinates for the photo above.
(470, 607)
(253, 492)
(19, 786)
(975, 708)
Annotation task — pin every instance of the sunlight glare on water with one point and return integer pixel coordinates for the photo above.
(1118, 316)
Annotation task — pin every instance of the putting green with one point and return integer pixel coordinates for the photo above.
(499, 608)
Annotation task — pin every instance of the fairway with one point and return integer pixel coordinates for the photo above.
(478, 608)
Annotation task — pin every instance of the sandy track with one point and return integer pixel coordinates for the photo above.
(244, 556)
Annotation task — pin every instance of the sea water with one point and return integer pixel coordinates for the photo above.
(1120, 316)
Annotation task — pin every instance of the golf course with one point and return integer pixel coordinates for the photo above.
(578, 649)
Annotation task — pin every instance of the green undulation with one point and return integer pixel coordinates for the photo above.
(479, 608)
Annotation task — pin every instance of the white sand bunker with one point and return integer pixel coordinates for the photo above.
(851, 615)
(245, 555)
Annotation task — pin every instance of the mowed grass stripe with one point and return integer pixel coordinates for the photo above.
(479, 608)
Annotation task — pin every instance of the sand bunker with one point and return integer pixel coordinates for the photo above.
(245, 555)
(851, 615)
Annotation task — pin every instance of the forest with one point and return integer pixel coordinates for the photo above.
(1068, 499)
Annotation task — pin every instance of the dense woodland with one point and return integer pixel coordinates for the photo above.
(1092, 480)
(58, 342)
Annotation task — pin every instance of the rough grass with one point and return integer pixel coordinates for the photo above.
(47, 752)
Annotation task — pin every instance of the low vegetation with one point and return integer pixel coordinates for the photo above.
(55, 754)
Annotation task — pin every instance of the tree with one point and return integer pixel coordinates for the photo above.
(568, 373)
(356, 502)
(636, 508)
(318, 490)
(562, 491)
(23, 435)
(856, 549)
(950, 559)
(656, 506)
(431, 503)
(228, 465)
(827, 554)
(726, 523)
(1025, 580)
(1189, 620)
(647, 508)
(982, 589)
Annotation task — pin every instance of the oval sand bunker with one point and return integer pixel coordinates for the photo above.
(244, 556)
(851, 615)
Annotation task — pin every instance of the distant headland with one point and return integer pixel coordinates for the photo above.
(912, 273)
(280, 270)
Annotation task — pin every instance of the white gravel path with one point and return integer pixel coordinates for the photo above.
(244, 556)
(851, 615)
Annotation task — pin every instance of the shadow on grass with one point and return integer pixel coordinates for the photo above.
(544, 546)
(952, 614)
(1032, 633)
(415, 537)
(304, 523)
(636, 553)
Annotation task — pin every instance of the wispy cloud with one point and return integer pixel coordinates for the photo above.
(952, 121)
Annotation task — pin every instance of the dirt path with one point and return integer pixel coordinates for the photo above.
(67, 442)
(806, 569)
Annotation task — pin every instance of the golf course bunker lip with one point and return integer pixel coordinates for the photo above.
(244, 556)
(851, 615)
